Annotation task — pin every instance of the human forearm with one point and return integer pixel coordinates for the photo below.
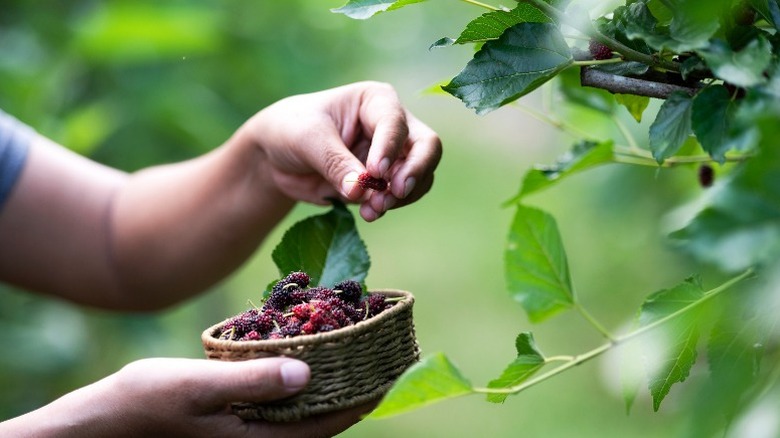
(91, 234)
(180, 228)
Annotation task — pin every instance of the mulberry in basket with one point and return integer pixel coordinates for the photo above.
(349, 366)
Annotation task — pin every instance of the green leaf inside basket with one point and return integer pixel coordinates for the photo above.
(327, 247)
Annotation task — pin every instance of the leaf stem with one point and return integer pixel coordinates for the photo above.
(562, 126)
(581, 358)
(598, 61)
(642, 158)
(594, 322)
(481, 5)
(560, 358)
(632, 143)
(709, 295)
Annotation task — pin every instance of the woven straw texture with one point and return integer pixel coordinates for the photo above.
(349, 366)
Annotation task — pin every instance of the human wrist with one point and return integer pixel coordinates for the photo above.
(250, 155)
(82, 413)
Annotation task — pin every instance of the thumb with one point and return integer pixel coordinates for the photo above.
(332, 159)
(257, 380)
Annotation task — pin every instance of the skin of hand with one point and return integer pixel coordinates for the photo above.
(153, 238)
(181, 398)
(147, 240)
(317, 144)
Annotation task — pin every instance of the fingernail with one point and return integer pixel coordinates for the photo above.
(409, 185)
(383, 166)
(295, 374)
(348, 184)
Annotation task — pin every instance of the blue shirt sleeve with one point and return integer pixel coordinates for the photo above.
(15, 139)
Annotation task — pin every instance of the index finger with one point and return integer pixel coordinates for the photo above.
(384, 119)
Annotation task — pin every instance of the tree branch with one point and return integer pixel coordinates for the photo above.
(590, 77)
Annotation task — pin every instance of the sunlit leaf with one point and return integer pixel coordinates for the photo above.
(536, 268)
(769, 11)
(529, 360)
(363, 9)
(673, 353)
(635, 105)
(671, 127)
(739, 226)
(431, 380)
(735, 351)
(327, 247)
(583, 155)
(491, 25)
(523, 58)
(743, 68)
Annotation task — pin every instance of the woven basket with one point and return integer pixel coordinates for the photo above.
(349, 366)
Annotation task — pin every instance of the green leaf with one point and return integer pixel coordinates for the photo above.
(639, 23)
(536, 268)
(712, 116)
(529, 360)
(327, 247)
(735, 351)
(673, 346)
(431, 380)
(583, 155)
(743, 68)
(671, 127)
(523, 58)
(739, 226)
(661, 13)
(769, 11)
(363, 9)
(589, 97)
(619, 28)
(492, 25)
(635, 105)
(695, 22)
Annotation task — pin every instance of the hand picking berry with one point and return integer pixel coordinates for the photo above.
(293, 308)
(366, 182)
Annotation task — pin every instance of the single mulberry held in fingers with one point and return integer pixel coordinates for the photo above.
(366, 182)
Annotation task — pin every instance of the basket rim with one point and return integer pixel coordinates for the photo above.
(209, 341)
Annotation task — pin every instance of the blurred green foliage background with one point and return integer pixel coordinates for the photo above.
(135, 84)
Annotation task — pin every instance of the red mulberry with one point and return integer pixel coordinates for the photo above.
(599, 51)
(366, 182)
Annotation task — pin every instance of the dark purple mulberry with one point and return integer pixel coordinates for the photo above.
(706, 175)
(351, 290)
(374, 304)
(292, 328)
(282, 294)
(321, 293)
